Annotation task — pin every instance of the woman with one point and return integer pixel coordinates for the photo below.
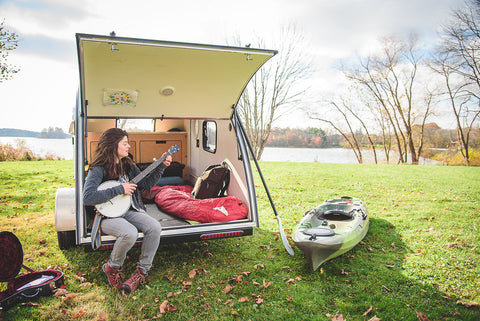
(112, 162)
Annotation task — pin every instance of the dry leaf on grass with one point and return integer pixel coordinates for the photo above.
(165, 307)
(422, 317)
(290, 281)
(69, 296)
(338, 317)
(266, 284)
(79, 314)
(468, 304)
(102, 316)
(368, 311)
(227, 289)
(258, 298)
(60, 292)
(79, 278)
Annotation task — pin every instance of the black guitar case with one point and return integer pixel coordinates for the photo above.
(28, 286)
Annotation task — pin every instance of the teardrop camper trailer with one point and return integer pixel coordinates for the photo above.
(164, 94)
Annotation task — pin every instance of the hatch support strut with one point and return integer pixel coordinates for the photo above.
(287, 246)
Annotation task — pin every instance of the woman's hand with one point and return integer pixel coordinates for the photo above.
(129, 188)
(168, 160)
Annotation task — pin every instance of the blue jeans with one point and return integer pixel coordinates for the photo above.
(126, 229)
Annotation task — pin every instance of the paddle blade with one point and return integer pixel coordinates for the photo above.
(284, 238)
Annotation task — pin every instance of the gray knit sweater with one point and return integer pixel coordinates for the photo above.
(97, 175)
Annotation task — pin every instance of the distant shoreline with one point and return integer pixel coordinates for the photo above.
(12, 132)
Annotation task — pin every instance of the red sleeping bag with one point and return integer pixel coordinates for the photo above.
(176, 200)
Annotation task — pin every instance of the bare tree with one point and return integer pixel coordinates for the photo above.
(8, 42)
(274, 90)
(348, 129)
(458, 62)
(390, 80)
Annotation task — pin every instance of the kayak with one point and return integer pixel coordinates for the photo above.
(331, 229)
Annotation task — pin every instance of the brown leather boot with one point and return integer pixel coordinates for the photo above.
(137, 278)
(115, 277)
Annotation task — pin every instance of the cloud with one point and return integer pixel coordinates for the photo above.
(43, 16)
(51, 48)
(333, 31)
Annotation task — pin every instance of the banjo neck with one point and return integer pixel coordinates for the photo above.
(154, 165)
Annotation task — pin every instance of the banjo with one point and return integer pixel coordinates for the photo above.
(120, 204)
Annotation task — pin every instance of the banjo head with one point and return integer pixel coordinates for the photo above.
(115, 207)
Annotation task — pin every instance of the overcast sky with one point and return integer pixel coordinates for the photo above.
(43, 93)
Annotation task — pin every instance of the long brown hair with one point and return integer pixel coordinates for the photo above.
(107, 156)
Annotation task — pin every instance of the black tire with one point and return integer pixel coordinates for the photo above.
(66, 239)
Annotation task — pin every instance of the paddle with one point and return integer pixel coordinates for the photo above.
(282, 232)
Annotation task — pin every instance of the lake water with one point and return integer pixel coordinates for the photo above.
(63, 148)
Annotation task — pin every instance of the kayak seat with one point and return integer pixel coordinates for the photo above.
(335, 215)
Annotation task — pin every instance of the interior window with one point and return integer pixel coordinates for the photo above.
(136, 125)
(210, 136)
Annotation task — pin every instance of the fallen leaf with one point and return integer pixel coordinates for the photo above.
(79, 314)
(468, 304)
(422, 317)
(258, 298)
(338, 317)
(290, 281)
(237, 279)
(79, 278)
(243, 299)
(192, 273)
(227, 289)
(60, 292)
(368, 311)
(375, 319)
(102, 316)
(266, 284)
(259, 266)
(69, 296)
(186, 285)
(289, 298)
(163, 307)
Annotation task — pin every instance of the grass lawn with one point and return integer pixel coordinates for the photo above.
(419, 260)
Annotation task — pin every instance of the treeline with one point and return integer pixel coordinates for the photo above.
(49, 132)
(434, 137)
(302, 138)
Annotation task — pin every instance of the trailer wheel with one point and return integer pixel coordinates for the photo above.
(66, 239)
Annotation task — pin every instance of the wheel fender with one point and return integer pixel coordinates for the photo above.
(65, 209)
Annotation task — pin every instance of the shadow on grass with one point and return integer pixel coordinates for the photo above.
(253, 277)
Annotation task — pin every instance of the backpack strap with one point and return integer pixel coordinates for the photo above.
(225, 185)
